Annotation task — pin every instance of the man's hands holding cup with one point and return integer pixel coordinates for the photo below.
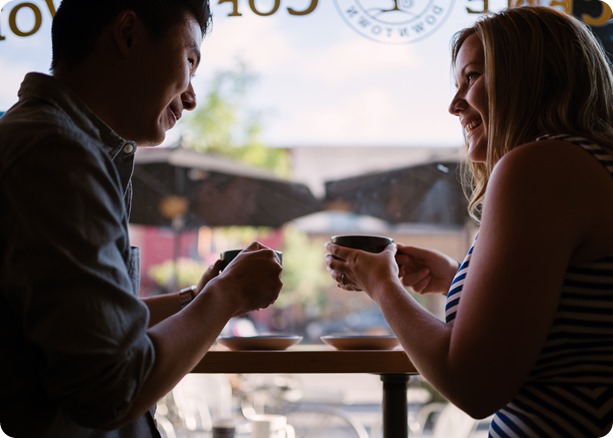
(252, 279)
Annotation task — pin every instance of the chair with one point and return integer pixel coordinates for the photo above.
(200, 399)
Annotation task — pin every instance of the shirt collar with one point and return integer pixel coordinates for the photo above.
(51, 89)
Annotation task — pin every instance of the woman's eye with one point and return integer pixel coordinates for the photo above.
(471, 77)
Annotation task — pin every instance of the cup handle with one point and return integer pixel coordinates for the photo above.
(289, 431)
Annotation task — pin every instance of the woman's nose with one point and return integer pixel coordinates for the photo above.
(457, 105)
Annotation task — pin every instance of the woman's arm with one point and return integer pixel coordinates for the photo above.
(535, 219)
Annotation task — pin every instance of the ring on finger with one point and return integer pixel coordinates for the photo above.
(343, 279)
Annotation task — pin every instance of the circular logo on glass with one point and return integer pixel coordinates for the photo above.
(394, 21)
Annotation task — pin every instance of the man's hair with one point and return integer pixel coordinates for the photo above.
(546, 73)
(78, 23)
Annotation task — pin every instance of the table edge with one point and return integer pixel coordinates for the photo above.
(305, 362)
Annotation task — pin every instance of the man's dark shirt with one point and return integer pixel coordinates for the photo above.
(73, 336)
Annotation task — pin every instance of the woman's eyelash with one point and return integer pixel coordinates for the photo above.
(471, 76)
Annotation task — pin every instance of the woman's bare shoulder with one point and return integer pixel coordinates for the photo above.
(564, 188)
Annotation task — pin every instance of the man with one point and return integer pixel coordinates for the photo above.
(82, 356)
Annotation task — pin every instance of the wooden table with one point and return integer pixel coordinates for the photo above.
(393, 366)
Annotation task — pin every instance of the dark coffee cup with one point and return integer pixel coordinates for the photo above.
(229, 255)
(364, 242)
(224, 428)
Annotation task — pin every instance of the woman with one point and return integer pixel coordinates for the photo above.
(529, 324)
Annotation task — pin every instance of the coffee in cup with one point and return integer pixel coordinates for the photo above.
(364, 242)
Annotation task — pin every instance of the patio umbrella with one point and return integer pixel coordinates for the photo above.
(180, 188)
(426, 193)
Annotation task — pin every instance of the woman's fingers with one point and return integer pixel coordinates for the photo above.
(418, 280)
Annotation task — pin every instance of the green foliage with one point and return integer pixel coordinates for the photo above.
(222, 124)
(241, 236)
(304, 274)
(171, 277)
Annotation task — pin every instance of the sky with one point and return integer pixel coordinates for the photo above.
(339, 75)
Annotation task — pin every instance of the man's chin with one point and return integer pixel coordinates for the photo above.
(152, 141)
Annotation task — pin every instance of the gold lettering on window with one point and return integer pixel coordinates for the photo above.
(234, 12)
(307, 11)
(602, 20)
(274, 9)
(38, 19)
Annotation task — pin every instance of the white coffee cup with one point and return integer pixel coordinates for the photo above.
(270, 426)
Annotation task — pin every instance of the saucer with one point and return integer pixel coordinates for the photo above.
(361, 342)
(259, 342)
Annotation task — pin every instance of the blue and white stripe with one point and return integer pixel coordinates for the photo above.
(569, 392)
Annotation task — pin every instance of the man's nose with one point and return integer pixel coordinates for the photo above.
(188, 98)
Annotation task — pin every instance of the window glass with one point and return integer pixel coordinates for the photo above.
(315, 118)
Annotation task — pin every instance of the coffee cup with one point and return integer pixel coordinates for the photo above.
(224, 428)
(364, 242)
(270, 426)
(229, 255)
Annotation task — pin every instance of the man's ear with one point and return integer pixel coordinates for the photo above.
(124, 30)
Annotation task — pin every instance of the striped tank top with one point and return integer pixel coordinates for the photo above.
(569, 392)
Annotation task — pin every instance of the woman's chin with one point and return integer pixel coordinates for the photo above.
(477, 151)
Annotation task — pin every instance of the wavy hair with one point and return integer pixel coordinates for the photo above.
(545, 73)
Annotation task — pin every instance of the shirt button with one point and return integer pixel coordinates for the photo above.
(128, 148)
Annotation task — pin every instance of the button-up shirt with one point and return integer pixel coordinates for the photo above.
(73, 340)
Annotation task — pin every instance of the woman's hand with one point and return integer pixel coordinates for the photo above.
(425, 270)
(358, 270)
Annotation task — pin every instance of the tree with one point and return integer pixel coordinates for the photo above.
(222, 123)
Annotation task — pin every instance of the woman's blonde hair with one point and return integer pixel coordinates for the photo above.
(546, 73)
